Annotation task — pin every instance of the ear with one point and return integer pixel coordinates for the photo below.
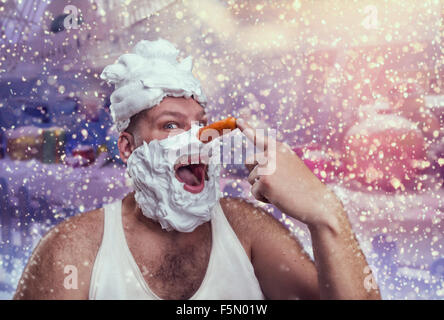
(126, 145)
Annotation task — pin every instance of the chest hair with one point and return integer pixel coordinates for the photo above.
(176, 272)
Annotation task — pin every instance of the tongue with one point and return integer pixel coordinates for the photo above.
(187, 176)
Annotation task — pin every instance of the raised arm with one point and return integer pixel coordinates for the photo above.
(283, 268)
(285, 181)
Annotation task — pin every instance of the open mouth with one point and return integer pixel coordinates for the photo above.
(192, 175)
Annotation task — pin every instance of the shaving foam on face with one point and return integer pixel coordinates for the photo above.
(160, 195)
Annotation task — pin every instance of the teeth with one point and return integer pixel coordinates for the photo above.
(190, 159)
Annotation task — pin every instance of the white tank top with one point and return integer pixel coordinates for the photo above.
(116, 275)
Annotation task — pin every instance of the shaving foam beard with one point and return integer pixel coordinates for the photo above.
(160, 195)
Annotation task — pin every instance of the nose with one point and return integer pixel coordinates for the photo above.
(216, 129)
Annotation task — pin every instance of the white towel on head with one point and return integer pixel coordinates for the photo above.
(147, 75)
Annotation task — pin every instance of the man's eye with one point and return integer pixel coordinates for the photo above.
(171, 125)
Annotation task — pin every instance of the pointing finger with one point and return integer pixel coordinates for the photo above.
(256, 192)
(254, 135)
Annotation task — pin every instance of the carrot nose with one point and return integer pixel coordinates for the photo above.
(228, 123)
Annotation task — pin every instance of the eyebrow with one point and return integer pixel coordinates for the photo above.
(178, 114)
(171, 113)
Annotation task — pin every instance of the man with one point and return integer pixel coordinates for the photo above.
(173, 237)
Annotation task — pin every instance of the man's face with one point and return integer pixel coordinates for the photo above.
(170, 186)
(171, 117)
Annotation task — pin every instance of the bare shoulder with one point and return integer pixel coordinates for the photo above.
(243, 212)
(72, 244)
(239, 209)
(281, 265)
(247, 219)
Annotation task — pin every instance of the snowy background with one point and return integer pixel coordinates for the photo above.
(355, 88)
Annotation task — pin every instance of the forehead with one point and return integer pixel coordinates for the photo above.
(186, 107)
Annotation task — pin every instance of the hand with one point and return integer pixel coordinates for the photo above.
(280, 177)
